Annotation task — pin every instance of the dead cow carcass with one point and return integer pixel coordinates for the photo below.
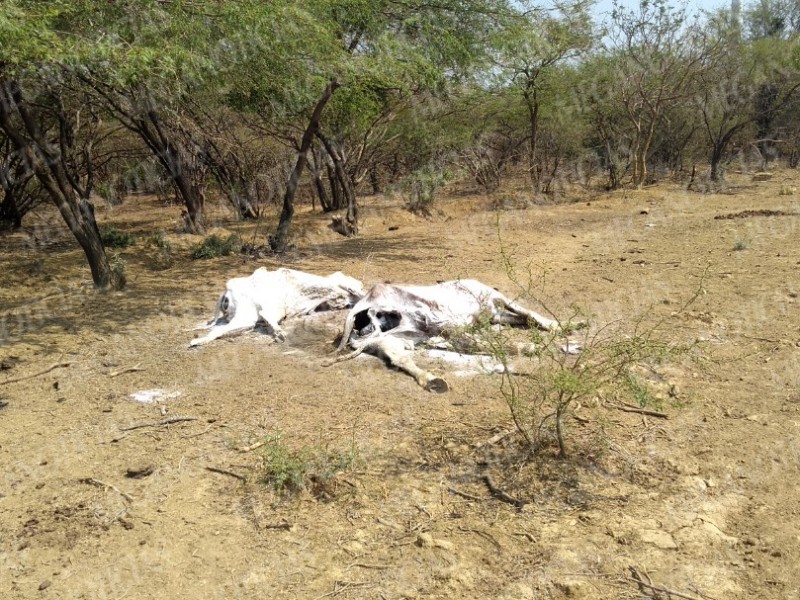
(391, 319)
(273, 296)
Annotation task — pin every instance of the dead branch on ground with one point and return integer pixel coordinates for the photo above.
(241, 478)
(484, 534)
(132, 369)
(501, 495)
(57, 365)
(169, 421)
(252, 447)
(103, 484)
(635, 409)
(464, 495)
(654, 590)
(496, 438)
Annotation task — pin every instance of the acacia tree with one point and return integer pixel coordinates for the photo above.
(142, 61)
(42, 129)
(747, 84)
(354, 52)
(159, 126)
(660, 58)
(529, 47)
(773, 19)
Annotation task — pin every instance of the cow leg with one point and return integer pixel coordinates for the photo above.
(517, 309)
(395, 351)
(272, 322)
(235, 326)
(343, 358)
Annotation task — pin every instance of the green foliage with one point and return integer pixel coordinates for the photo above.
(108, 192)
(578, 365)
(473, 83)
(290, 471)
(115, 238)
(640, 391)
(283, 469)
(558, 382)
(26, 32)
(419, 189)
(118, 267)
(740, 244)
(158, 240)
(160, 252)
(214, 246)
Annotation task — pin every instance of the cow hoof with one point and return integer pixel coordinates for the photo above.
(437, 385)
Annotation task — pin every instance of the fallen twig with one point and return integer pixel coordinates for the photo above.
(483, 534)
(464, 495)
(639, 411)
(252, 447)
(389, 524)
(169, 421)
(205, 431)
(637, 579)
(368, 566)
(103, 484)
(496, 438)
(132, 369)
(591, 574)
(763, 339)
(345, 585)
(57, 365)
(284, 526)
(526, 535)
(241, 478)
(501, 495)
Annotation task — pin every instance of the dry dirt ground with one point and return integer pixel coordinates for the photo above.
(703, 503)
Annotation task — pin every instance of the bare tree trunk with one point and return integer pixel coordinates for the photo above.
(613, 174)
(716, 158)
(10, 217)
(374, 180)
(169, 154)
(532, 102)
(315, 167)
(634, 158)
(47, 165)
(229, 180)
(14, 178)
(281, 237)
(350, 222)
(336, 188)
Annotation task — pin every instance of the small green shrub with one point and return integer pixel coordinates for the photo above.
(559, 381)
(289, 471)
(640, 392)
(158, 240)
(110, 192)
(741, 244)
(114, 238)
(214, 246)
(419, 189)
(118, 266)
(159, 251)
